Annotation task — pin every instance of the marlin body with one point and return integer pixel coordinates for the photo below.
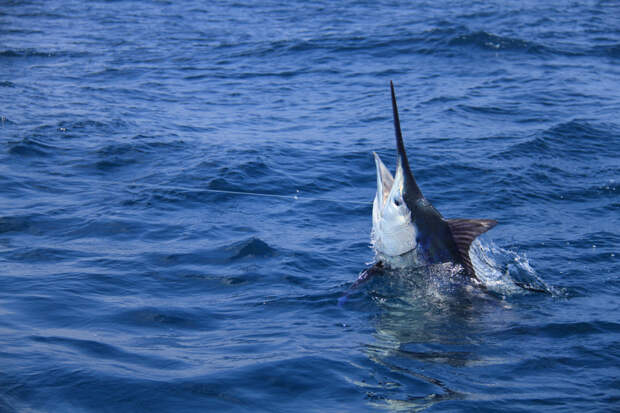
(407, 231)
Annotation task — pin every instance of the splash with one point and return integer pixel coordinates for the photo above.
(505, 272)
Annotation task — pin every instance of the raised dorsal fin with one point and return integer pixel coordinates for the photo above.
(411, 186)
(464, 231)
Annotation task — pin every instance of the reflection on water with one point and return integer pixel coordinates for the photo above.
(434, 316)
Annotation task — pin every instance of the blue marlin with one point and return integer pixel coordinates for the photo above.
(407, 231)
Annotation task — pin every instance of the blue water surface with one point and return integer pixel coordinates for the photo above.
(128, 285)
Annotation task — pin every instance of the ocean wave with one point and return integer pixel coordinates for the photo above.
(489, 41)
(43, 254)
(99, 350)
(249, 250)
(121, 152)
(32, 147)
(573, 139)
(28, 53)
(165, 318)
(612, 50)
(252, 248)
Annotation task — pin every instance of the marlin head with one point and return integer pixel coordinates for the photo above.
(406, 228)
(394, 230)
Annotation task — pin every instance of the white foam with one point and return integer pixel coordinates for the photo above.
(504, 271)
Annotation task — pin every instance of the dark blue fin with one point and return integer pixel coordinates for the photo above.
(411, 186)
(366, 275)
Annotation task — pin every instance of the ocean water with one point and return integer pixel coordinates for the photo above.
(128, 284)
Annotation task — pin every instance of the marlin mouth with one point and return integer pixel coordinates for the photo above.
(385, 181)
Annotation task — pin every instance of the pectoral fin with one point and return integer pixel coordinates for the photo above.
(464, 231)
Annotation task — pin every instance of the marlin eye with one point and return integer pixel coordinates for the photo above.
(396, 202)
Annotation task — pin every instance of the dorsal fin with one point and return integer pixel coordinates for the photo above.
(464, 231)
(411, 185)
